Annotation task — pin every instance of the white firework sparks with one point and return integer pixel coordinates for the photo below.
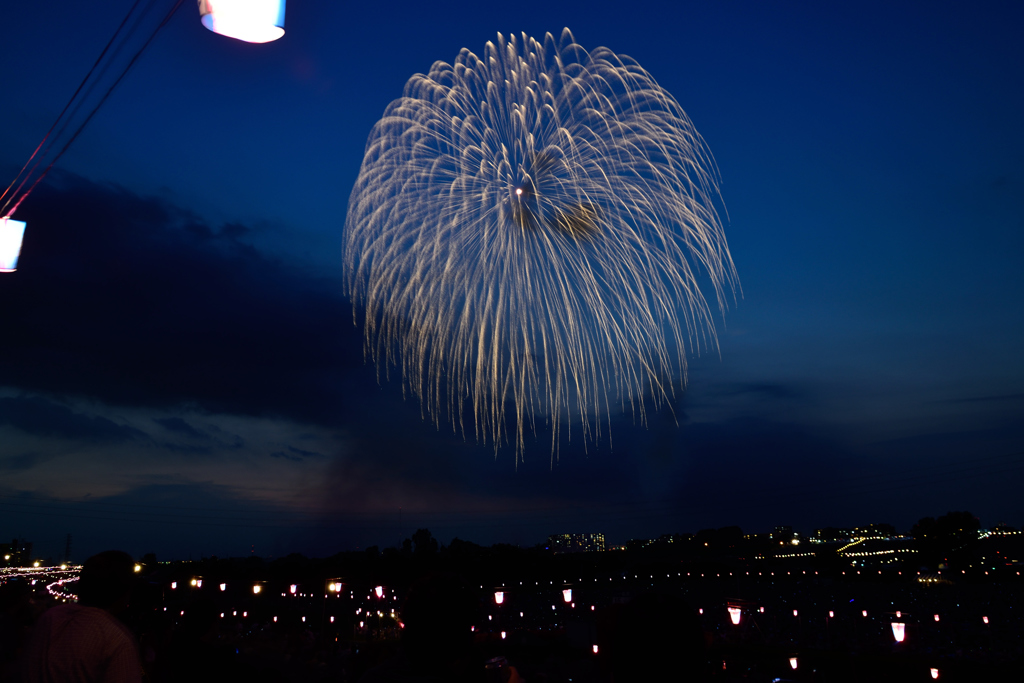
(526, 235)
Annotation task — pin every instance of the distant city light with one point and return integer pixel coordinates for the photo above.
(899, 631)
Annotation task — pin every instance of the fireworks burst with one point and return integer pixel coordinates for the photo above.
(526, 235)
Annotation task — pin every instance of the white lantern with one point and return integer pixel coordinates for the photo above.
(734, 615)
(934, 672)
(792, 663)
(11, 234)
(899, 631)
(499, 597)
(379, 590)
(223, 587)
(254, 21)
(567, 595)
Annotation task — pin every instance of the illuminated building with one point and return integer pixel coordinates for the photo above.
(576, 543)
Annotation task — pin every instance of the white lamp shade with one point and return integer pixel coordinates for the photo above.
(11, 234)
(254, 21)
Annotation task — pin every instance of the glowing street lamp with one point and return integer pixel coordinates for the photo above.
(899, 631)
(567, 595)
(11, 234)
(499, 597)
(254, 21)
(734, 615)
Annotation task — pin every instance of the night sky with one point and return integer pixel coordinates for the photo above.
(179, 369)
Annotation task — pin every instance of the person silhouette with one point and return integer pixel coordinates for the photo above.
(86, 642)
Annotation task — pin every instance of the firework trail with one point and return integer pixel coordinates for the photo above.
(526, 236)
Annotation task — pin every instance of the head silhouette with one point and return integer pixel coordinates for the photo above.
(106, 580)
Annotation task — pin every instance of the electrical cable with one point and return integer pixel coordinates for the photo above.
(92, 113)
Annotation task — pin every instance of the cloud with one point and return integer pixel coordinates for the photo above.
(40, 417)
(134, 301)
(179, 426)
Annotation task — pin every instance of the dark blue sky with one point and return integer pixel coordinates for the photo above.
(178, 368)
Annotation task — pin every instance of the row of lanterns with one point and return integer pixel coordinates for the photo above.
(252, 21)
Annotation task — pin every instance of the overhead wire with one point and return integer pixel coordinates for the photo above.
(18, 199)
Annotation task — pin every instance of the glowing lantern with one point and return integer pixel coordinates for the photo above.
(899, 631)
(303, 620)
(11, 234)
(503, 635)
(174, 584)
(275, 620)
(700, 611)
(899, 614)
(330, 587)
(379, 590)
(254, 21)
(245, 614)
(864, 613)
(936, 617)
(734, 615)
(762, 610)
(792, 663)
(193, 582)
(831, 614)
(256, 589)
(934, 672)
(223, 586)
(795, 613)
(567, 595)
(292, 588)
(332, 620)
(499, 597)
(985, 619)
(595, 649)
(337, 587)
